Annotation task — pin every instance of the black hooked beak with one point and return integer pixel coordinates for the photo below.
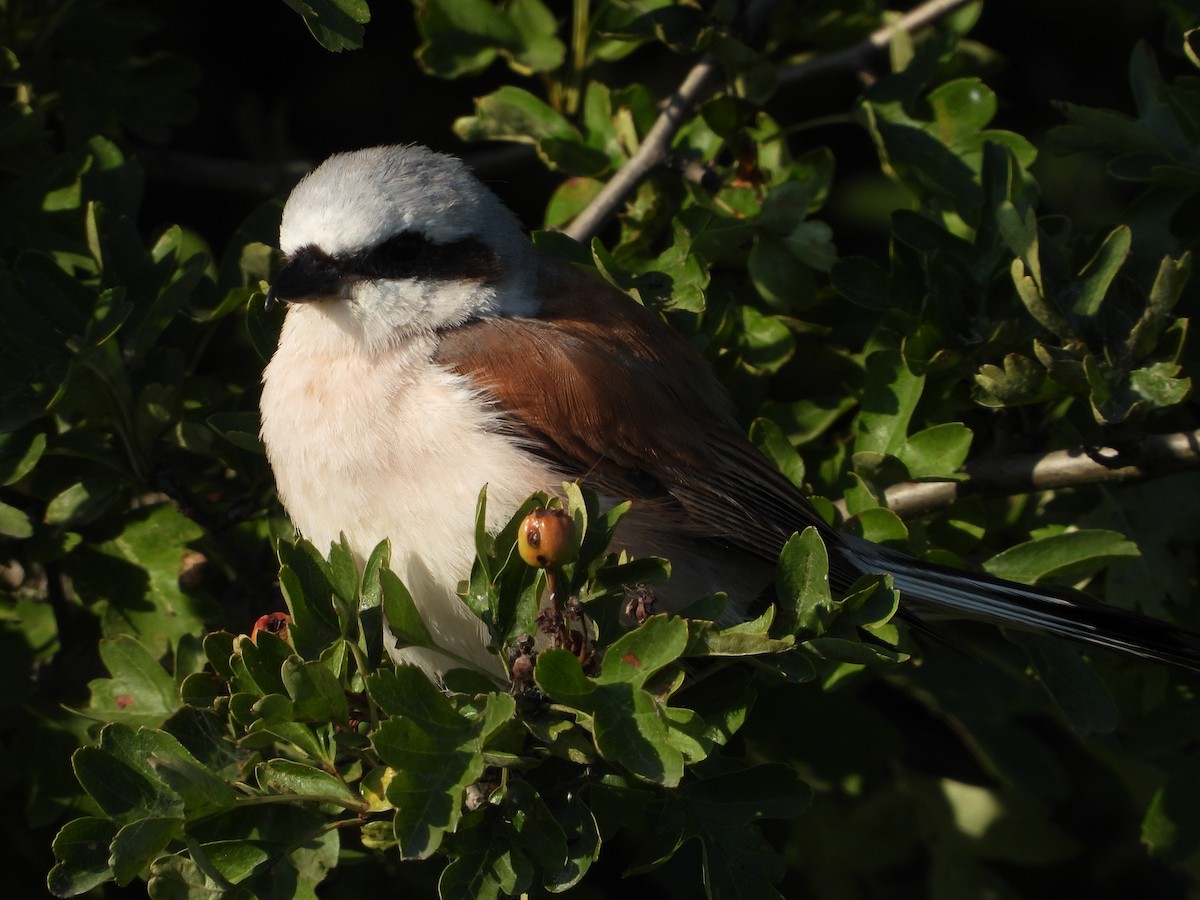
(309, 274)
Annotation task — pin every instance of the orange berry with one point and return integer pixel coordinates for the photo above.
(547, 538)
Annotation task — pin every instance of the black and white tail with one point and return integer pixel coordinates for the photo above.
(1056, 611)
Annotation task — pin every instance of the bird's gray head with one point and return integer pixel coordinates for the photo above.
(391, 241)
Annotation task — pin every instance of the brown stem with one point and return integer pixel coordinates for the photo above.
(856, 56)
(648, 155)
(1145, 457)
(653, 150)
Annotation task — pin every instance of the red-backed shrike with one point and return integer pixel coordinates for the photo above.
(429, 349)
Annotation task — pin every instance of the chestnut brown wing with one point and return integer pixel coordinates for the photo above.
(609, 394)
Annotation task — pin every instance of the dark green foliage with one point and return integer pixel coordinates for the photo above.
(824, 748)
(504, 786)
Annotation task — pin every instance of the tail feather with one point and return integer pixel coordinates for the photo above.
(1057, 611)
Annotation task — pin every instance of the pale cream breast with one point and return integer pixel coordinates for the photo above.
(393, 446)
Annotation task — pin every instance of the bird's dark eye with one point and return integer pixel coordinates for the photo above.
(404, 247)
(396, 256)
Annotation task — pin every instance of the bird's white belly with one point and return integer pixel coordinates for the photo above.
(396, 450)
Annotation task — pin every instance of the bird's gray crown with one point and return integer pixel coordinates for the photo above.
(355, 201)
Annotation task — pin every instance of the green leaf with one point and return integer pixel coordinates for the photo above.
(1171, 827)
(1019, 230)
(431, 775)
(263, 326)
(1159, 385)
(540, 835)
(682, 265)
(778, 275)
(770, 439)
(754, 76)
(869, 603)
(260, 661)
(513, 114)
(14, 523)
(275, 709)
(539, 48)
(859, 497)
(1090, 129)
(721, 811)
(863, 282)
(630, 729)
(203, 792)
(139, 843)
(182, 259)
(179, 878)
(628, 724)
(116, 775)
(1021, 381)
(370, 610)
(284, 776)
(767, 342)
(19, 453)
(569, 199)
(463, 37)
(317, 694)
(308, 740)
(435, 751)
(485, 865)
(744, 639)
(305, 579)
(401, 613)
(138, 692)
(854, 652)
(1097, 276)
(1074, 685)
(937, 451)
(81, 848)
(1071, 553)
(343, 575)
(135, 576)
(1190, 38)
(239, 428)
(965, 105)
(1155, 107)
(82, 502)
(1039, 304)
(289, 855)
(880, 525)
(1168, 286)
(636, 656)
(218, 648)
(802, 584)
(337, 25)
(890, 396)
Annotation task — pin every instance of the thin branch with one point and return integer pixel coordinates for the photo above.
(651, 152)
(658, 140)
(1146, 457)
(856, 56)
(654, 148)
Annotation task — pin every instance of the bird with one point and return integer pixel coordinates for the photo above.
(429, 349)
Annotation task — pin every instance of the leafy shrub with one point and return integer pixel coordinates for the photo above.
(138, 511)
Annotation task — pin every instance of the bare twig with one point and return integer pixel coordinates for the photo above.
(648, 155)
(1149, 456)
(693, 89)
(856, 56)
